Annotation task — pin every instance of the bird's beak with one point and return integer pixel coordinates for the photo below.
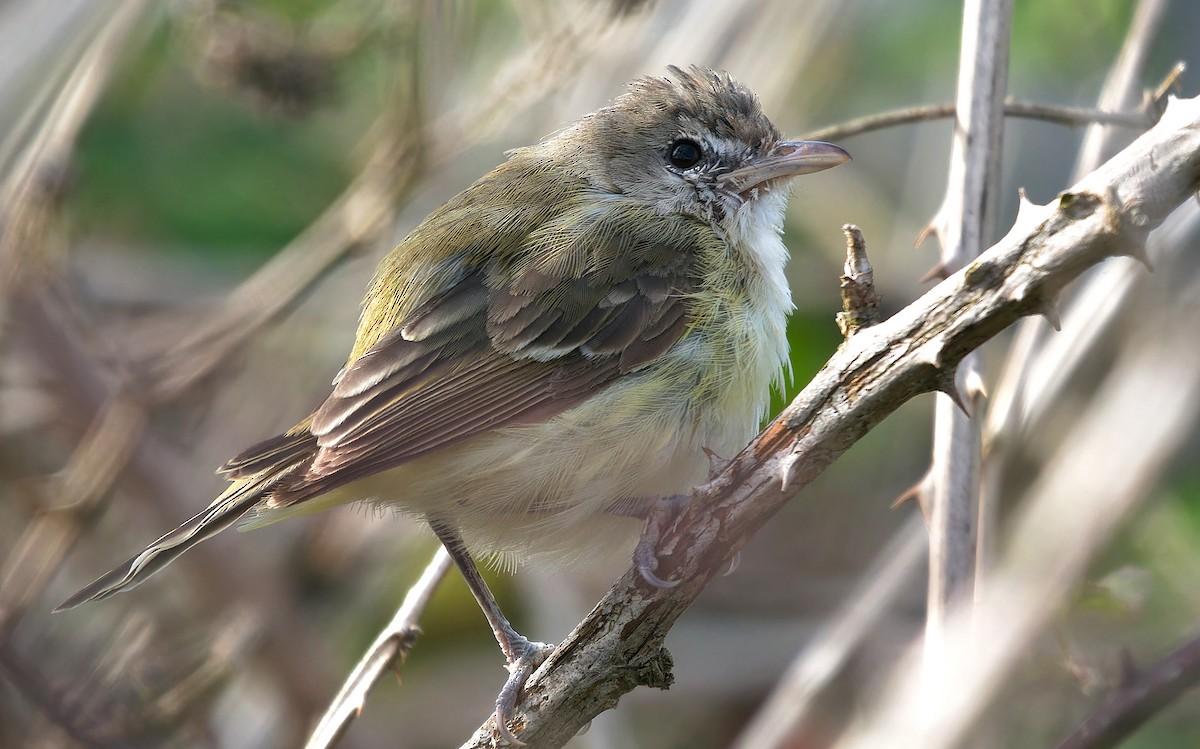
(788, 159)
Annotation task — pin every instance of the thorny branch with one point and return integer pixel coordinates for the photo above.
(962, 225)
(1108, 213)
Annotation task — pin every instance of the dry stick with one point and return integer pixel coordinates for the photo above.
(1122, 87)
(1037, 369)
(91, 470)
(85, 391)
(1070, 116)
(785, 710)
(860, 300)
(1099, 475)
(366, 209)
(961, 225)
(29, 195)
(1143, 695)
(780, 718)
(619, 645)
(27, 680)
(388, 652)
(28, 205)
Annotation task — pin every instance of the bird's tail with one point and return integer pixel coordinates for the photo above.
(222, 513)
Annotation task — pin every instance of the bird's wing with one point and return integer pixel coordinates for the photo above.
(592, 295)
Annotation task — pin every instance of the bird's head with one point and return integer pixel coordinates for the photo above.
(696, 143)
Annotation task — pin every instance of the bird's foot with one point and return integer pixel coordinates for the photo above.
(661, 517)
(523, 659)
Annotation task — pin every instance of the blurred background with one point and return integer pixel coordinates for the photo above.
(195, 196)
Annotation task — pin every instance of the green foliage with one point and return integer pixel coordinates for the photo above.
(166, 161)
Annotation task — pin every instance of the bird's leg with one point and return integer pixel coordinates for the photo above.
(523, 655)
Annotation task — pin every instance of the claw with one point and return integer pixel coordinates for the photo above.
(733, 565)
(647, 572)
(662, 516)
(528, 656)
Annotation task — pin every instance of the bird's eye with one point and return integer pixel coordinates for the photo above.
(685, 154)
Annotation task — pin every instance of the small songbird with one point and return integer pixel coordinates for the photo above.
(554, 349)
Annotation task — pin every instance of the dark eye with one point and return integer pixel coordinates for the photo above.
(685, 154)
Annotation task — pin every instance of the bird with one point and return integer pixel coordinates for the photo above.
(554, 352)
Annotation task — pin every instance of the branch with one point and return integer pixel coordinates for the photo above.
(619, 645)
(1138, 699)
(1069, 116)
(962, 222)
(1153, 393)
(1037, 368)
(388, 652)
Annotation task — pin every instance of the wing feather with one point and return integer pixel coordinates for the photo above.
(499, 338)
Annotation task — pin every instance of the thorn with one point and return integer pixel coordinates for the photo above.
(733, 564)
(655, 581)
(946, 384)
(787, 470)
(716, 463)
(925, 234)
(1029, 215)
(939, 272)
(913, 492)
(1047, 307)
(1138, 253)
(918, 491)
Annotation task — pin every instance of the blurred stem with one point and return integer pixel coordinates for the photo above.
(962, 224)
(779, 720)
(1037, 368)
(1068, 116)
(1137, 700)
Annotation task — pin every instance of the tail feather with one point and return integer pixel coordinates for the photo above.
(222, 513)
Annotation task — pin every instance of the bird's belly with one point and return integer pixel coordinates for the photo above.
(561, 490)
(556, 489)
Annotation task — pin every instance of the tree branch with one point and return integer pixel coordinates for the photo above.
(1143, 695)
(619, 645)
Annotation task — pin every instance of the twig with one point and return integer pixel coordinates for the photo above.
(1139, 698)
(619, 645)
(149, 474)
(403, 151)
(962, 222)
(98, 459)
(29, 195)
(45, 700)
(860, 301)
(1154, 393)
(1070, 116)
(388, 652)
(1123, 84)
(1037, 368)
